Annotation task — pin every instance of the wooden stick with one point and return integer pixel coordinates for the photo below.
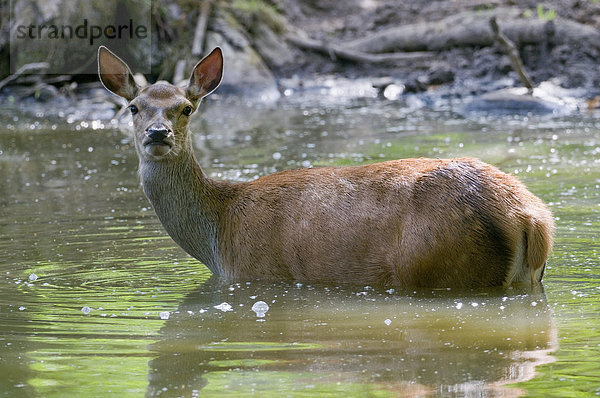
(513, 54)
(198, 44)
(179, 71)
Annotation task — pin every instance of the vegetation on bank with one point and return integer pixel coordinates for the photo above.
(266, 40)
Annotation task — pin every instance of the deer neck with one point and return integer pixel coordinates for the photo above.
(185, 201)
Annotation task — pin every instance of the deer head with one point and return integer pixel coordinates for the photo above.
(161, 111)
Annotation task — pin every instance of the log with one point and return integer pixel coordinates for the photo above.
(471, 29)
(336, 51)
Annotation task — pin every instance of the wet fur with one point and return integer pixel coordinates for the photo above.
(411, 222)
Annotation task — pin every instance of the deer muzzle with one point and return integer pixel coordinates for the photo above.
(158, 140)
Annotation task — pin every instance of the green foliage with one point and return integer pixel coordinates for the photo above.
(251, 12)
(547, 15)
(543, 14)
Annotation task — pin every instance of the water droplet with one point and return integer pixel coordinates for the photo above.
(22, 308)
(276, 155)
(86, 310)
(165, 315)
(393, 91)
(459, 306)
(33, 277)
(261, 308)
(388, 321)
(224, 307)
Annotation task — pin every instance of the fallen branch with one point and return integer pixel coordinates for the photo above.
(22, 70)
(179, 71)
(197, 44)
(513, 54)
(335, 52)
(472, 29)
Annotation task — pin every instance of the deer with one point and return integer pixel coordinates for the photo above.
(431, 223)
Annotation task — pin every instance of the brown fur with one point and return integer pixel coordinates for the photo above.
(410, 222)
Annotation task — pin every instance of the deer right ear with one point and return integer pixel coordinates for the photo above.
(206, 76)
(115, 75)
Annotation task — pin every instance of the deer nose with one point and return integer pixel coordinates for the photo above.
(158, 134)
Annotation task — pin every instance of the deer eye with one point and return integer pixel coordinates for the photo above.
(188, 110)
(133, 109)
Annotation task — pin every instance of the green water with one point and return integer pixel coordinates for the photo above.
(96, 300)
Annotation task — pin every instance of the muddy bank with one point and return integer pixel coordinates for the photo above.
(556, 40)
(439, 52)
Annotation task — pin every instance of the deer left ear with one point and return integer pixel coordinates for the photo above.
(206, 76)
(115, 75)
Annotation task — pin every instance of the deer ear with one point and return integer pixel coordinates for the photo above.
(115, 75)
(206, 76)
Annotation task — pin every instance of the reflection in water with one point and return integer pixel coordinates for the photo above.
(328, 339)
(72, 213)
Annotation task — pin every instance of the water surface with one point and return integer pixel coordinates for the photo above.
(95, 299)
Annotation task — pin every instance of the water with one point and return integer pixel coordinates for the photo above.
(96, 300)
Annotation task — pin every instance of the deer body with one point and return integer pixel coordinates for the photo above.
(410, 222)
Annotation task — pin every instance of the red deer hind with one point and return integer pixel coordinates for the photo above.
(407, 223)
